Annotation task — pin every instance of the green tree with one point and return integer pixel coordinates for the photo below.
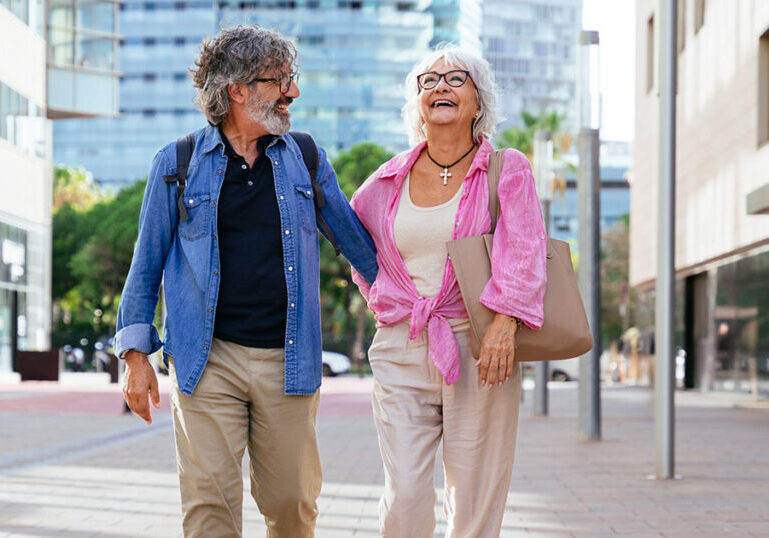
(617, 298)
(74, 187)
(345, 315)
(101, 264)
(522, 138)
(93, 237)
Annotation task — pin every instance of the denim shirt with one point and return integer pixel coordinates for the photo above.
(184, 255)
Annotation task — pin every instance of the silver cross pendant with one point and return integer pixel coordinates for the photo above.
(445, 175)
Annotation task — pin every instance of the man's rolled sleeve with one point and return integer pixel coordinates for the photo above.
(142, 337)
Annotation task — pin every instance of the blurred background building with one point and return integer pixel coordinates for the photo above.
(354, 58)
(532, 47)
(722, 201)
(60, 70)
(616, 160)
(158, 43)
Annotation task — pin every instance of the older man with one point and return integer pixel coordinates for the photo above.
(236, 248)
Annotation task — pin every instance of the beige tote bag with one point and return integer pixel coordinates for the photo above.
(565, 332)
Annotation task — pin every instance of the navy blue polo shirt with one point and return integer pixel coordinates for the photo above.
(251, 310)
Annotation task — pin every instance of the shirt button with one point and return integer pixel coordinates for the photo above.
(290, 342)
(290, 268)
(216, 272)
(213, 202)
(292, 305)
(219, 172)
(281, 198)
(250, 183)
(210, 309)
(276, 162)
(205, 347)
(308, 193)
(244, 166)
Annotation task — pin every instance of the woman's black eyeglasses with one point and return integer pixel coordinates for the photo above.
(284, 81)
(429, 80)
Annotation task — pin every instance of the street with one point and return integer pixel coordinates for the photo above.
(72, 465)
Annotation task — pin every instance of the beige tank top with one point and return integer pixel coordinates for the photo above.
(421, 234)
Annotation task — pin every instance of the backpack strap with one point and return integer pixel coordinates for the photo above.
(184, 148)
(310, 157)
(496, 160)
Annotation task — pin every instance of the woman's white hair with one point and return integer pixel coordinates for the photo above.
(486, 89)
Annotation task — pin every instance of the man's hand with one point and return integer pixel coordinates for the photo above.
(140, 383)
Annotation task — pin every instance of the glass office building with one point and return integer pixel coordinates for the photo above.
(158, 43)
(354, 57)
(532, 47)
(616, 160)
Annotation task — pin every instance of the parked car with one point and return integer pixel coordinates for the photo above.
(335, 363)
(565, 370)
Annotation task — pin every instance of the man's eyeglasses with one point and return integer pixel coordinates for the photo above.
(284, 82)
(429, 80)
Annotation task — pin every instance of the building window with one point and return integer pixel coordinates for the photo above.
(650, 54)
(21, 122)
(763, 88)
(699, 15)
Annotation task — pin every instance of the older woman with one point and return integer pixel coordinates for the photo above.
(428, 387)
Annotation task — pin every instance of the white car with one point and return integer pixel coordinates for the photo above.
(568, 369)
(564, 370)
(335, 363)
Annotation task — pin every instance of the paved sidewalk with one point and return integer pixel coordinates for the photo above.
(72, 465)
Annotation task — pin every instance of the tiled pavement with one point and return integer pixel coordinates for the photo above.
(72, 465)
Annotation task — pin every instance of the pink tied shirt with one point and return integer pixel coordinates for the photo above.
(517, 285)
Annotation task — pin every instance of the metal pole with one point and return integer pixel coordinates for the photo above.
(541, 369)
(665, 286)
(14, 330)
(589, 282)
(543, 149)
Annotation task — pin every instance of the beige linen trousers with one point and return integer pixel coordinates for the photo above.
(414, 410)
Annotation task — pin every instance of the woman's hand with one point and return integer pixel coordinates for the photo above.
(498, 350)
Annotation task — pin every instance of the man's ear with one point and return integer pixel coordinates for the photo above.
(238, 92)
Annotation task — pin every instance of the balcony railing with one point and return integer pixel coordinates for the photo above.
(82, 58)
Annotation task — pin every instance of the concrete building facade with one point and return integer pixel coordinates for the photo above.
(54, 64)
(25, 207)
(722, 226)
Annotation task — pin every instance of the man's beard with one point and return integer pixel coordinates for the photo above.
(265, 114)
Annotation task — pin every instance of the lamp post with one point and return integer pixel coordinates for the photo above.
(543, 176)
(664, 363)
(589, 245)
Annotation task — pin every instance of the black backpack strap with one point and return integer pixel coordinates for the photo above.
(184, 148)
(310, 157)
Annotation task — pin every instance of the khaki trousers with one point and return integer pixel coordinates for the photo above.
(239, 402)
(414, 410)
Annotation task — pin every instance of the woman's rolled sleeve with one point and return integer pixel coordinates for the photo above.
(517, 284)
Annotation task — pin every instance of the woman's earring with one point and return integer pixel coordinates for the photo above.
(476, 114)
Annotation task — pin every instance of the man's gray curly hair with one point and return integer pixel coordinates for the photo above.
(236, 55)
(486, 89)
